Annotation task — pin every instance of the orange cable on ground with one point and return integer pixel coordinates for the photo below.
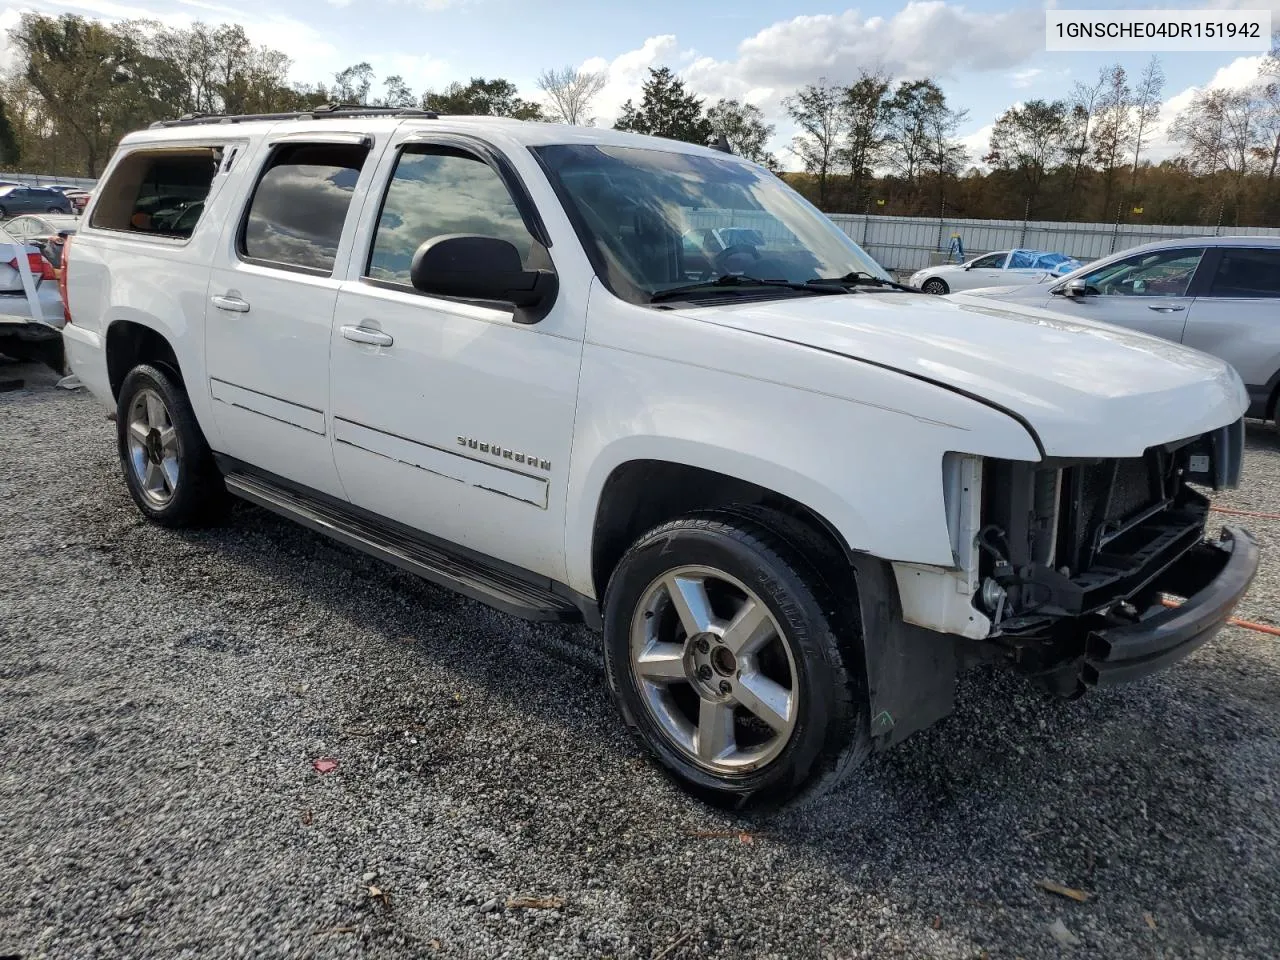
(1246, 513)
(1234, 621)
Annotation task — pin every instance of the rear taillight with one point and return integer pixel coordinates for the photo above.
(41, 269)
(62, 279)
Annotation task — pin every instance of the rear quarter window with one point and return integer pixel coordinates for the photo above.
(153, 192)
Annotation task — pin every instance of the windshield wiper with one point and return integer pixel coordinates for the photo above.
(738, 280)
(862, 278)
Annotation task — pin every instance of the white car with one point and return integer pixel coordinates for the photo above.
(31, 311)
(993, 269)
(795, 496)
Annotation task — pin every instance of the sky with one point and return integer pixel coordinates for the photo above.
(986, 54)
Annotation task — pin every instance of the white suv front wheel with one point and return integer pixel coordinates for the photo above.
(722, 658)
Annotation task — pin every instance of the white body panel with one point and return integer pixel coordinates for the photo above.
(846, 404)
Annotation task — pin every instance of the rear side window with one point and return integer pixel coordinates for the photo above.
(150, 191)
(299, 206)
(1247, 274)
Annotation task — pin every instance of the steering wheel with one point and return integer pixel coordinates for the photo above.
(737, 249)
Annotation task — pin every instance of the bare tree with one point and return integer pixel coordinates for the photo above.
(1222, 131)
(571, 92)
(1146, 110)
(1111, 131)
(1269, 97)
(1081, 105)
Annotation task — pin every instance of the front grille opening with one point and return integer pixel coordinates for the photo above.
(1071, 536)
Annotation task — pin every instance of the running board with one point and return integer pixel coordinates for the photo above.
(429, 560)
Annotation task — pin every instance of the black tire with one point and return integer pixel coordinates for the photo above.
(936, 286)
(56, 210)
(831, 732)
(3, 214)
(199, 496)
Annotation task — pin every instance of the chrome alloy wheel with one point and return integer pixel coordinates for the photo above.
(153, 447)
(714, 670)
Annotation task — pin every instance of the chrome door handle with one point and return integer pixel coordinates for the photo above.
(365, 335)
(231, 304)
(1165, 309)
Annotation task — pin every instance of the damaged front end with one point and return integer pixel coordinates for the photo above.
(1075, 557)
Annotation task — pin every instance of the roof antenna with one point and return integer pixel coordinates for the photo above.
(722, 144)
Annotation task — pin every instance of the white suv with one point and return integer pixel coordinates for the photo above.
(795, 496)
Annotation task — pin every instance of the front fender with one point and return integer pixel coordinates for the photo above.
(860, 460)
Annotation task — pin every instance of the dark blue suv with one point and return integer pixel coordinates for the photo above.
(16, 199)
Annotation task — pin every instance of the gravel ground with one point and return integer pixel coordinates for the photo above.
(163, 697)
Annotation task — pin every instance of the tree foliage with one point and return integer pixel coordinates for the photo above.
(818, 110)
(744, 128)
(482, 98)
(9, 150)
(1031, 139)
(666, 109)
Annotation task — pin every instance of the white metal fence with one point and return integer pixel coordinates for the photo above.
(40, 180)
(908, 243)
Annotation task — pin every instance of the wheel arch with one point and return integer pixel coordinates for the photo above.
(129, 343)
(642, 493)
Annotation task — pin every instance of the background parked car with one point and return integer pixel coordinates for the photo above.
(79, 198)
(1217, 294)
(47, 232)
(991, 269)
(29, 330)
(23, 199)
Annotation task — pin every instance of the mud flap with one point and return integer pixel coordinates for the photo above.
(911, 671)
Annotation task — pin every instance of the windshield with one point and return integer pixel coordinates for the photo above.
(653, 220)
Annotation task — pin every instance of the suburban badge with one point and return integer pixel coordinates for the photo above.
(505, 453)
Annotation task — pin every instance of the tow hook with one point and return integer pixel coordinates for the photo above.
(1124, 610)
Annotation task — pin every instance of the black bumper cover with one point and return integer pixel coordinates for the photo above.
(1213, 576)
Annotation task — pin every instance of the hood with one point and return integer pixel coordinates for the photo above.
(1086, 389)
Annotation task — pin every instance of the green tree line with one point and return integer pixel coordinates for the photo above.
(870, 145)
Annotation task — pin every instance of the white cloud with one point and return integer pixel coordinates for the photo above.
(924, 38)
(9, 18)
(626, 72)
(978, 144)
(1020, 79)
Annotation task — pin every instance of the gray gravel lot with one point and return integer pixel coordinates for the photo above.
(163, 696)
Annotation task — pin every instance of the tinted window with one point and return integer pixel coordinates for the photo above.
(1247, 273)
(300, 204)
(1161, 273)
(436, 191)
(633, 208)
(148, 191)
(992, 260)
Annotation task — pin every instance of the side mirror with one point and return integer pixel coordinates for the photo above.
(1076, 288)
(473, 267)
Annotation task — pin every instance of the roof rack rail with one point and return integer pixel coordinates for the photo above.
(320, 112)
